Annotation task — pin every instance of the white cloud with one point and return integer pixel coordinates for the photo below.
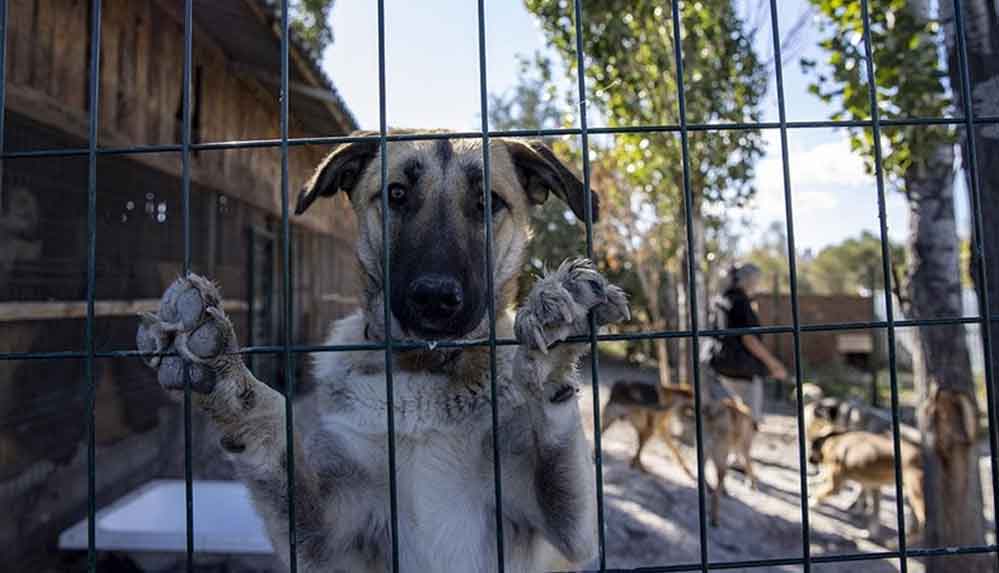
(820, 174)
(832, 195)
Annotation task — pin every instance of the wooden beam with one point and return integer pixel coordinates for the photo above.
(45, 109)
(312, 92)
(299, 60)
(76, 309)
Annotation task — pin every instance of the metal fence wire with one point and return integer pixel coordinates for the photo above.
(287, 350)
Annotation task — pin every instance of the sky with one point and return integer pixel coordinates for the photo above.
(432, 80)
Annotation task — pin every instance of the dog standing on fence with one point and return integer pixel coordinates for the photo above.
(728, 427)
(442, 403)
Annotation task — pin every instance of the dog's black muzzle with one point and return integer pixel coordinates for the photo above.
(434, 303)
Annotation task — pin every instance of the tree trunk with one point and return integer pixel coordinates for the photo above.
(948, 414)
(683, 289)
(981, 19)
(982, 27)
(649, 271)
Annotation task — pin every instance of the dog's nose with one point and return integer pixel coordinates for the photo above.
(435, 297)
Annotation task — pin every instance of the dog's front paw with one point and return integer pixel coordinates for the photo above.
(558, 305)
(191, 324)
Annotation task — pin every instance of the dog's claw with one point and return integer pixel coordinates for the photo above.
(559, 305)
(191, 325)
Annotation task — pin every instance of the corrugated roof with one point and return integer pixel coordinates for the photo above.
(248, 31)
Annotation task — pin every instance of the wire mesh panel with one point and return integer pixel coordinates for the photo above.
(197, 230)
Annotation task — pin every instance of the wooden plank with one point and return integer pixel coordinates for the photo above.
(127, 98)
(41, 74)
(61, 46)
(56, 310)
(47, 110)
(110, 32)
(170, 65)
(213, 78)
(143, 36)
(21, 16)
(154, 83)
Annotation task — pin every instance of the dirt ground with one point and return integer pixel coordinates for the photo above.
(652, 518)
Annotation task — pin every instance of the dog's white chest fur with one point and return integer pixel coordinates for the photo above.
(445, 495)
(444, 471)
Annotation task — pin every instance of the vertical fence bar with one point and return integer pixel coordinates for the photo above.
(688, 201)
(984, 304)
(487, 213)
(886, 270)
(185, 178)
(92, 129)
(286, 355)
(387, 288)
(594, 348)
(3, 87)
(91, 281)
(806, 548)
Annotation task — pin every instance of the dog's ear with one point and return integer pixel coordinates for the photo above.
(828, 409)
(341, 169)
(541, 172)
(834, 411)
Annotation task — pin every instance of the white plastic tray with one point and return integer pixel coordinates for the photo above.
(153, 518)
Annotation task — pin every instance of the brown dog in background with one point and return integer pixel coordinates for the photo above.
(728, 427)
(869, 460)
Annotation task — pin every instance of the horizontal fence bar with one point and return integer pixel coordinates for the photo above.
(480, 342)
(553, 132)
(835, 558)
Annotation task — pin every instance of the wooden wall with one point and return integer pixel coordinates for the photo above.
(43, 252)
(140, 96)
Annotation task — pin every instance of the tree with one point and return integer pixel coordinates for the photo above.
(630, 64)
(918, 161)
(536, 103)
(852, 266)
(770, 255)
(310, 20)
(981, 19)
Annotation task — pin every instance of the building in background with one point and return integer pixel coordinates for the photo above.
(235, 234)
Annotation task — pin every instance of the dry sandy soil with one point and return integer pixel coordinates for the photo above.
(652, 518)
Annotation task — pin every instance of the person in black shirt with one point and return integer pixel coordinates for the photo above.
(741, 361)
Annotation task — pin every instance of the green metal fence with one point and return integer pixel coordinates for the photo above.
(287, 350)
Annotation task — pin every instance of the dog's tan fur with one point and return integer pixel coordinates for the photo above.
(728, 428)
(867, 459)
(442, 396)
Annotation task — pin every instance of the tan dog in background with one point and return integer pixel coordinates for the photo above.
(728, 427)
(867, 459)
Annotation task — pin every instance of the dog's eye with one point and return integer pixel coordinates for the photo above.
(498, 204)
(397, 194)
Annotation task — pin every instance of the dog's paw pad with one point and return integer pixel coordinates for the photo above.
(193, 332)
(174, 371)
(185, 301)
(207, 340)
(171, 372)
